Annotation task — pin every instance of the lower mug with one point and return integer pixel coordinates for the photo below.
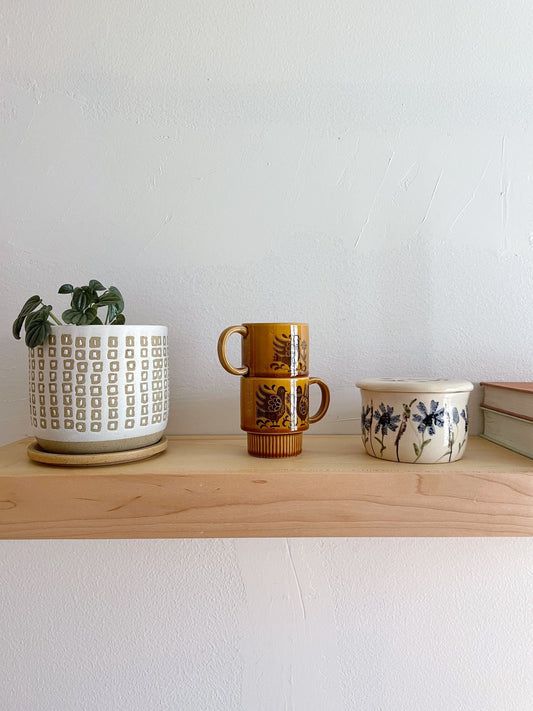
(275, 413)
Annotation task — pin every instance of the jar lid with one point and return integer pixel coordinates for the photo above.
(415, 385)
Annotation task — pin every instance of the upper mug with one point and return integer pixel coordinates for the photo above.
(269, 349)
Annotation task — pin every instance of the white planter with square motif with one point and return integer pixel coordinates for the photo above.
(99, 388)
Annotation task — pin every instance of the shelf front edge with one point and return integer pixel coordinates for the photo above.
(320, 494)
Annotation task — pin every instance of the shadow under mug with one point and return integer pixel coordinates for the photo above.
(275, 413)
(268, 349)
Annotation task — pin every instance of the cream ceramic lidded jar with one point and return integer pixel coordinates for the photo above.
(413, 419)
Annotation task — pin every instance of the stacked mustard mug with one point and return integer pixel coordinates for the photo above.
(274, 386)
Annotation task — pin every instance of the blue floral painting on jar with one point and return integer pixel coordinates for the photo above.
(384, 427)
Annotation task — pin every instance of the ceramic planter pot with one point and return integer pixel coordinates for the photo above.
(99, 388)
(414, 420)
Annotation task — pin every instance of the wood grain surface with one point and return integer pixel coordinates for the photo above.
(210, 487)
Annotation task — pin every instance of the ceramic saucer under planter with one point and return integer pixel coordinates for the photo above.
(414, 420)
(37, 454)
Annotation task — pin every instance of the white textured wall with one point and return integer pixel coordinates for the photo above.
(365, 167)
(267, 625)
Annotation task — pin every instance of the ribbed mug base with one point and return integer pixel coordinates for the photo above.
(272, 446)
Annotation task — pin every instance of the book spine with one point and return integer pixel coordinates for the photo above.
(517, 450)
(506, 412)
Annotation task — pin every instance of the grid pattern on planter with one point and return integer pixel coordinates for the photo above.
(99, 384)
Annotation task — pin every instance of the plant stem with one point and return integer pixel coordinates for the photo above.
(55, 319)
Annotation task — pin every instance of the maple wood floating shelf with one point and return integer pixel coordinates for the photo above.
(209, 487)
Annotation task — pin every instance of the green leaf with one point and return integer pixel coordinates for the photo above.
(112, 298)
(81, 298)
(88, 317)
(37, 332)
(109, 298)
(120, 303)
(112, 313)
(66, 289)
(417, 451)
(97, 322)
(17, 326)
(120, 320)
(28, 307)
(95, 285)
(79, 318)
(39, 315)
(30, 304)
(30, 317)
(71, 315)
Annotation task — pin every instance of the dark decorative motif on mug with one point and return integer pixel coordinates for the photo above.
(302, 403)
(272, 406)
(290, 353)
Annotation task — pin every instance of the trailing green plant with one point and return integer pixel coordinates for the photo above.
(85, 301)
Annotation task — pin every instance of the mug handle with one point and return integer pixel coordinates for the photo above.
(325, 400)
(222, 355)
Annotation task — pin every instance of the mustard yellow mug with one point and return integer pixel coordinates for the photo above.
(275, 413)
(268, 349)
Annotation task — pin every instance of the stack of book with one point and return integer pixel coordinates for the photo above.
(508, 415)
